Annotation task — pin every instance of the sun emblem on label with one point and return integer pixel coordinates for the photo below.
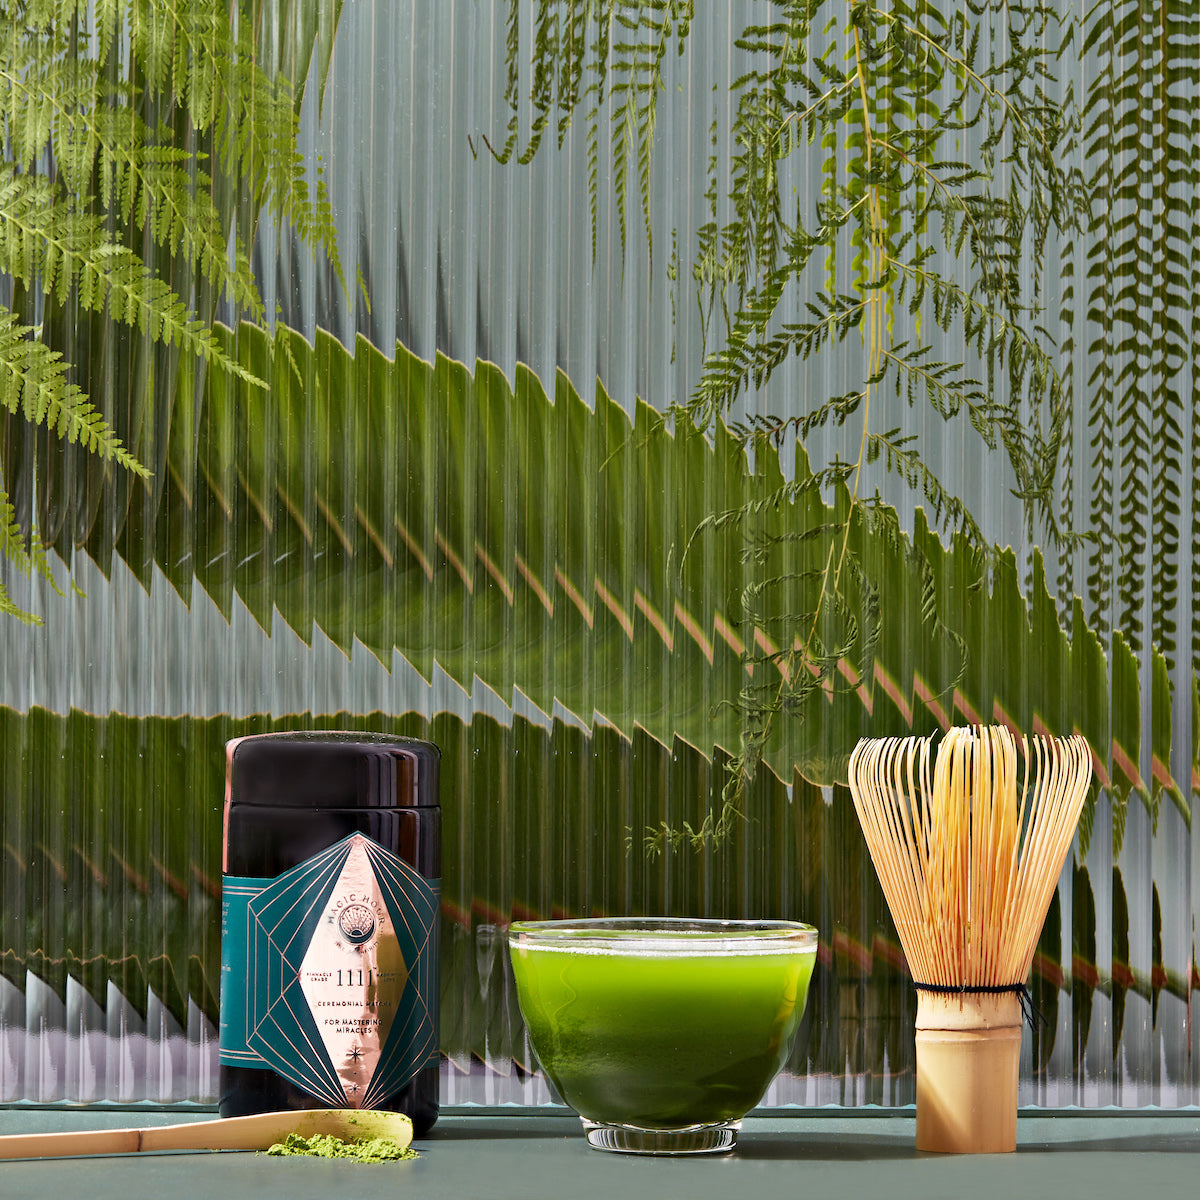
(357, 923)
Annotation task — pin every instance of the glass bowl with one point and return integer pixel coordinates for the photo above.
(662, 1033)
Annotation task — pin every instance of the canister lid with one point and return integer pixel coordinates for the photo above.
(328, 769)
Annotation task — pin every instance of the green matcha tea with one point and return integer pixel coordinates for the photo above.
(664, 1039)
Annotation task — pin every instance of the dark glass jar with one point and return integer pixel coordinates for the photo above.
(329, 943)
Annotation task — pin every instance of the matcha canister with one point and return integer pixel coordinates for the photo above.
(329, 938)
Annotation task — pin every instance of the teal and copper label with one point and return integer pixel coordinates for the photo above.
(329, 973)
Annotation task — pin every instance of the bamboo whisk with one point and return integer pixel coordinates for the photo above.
(968, 851)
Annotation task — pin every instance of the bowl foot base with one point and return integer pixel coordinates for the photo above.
(629, 1139)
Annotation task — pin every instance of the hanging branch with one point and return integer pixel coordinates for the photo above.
(944, 168)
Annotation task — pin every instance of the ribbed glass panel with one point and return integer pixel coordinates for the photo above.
(455, 515)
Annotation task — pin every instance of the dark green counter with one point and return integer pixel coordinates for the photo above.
(493, 1156)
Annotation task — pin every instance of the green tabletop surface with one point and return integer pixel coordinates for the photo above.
(524, 1156)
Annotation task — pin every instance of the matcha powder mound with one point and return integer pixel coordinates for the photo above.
(372, 1150)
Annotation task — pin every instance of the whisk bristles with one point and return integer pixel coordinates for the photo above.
(968, 844)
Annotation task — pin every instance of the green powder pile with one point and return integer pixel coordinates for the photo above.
(370, 1150)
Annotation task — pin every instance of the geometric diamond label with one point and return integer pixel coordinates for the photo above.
(353, 974)
(351, 1039)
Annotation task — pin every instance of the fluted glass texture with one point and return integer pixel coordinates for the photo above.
(467, 506)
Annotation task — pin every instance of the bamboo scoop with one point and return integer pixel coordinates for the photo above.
(230, 1133)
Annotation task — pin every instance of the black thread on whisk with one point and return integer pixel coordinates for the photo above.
(1029, 1010)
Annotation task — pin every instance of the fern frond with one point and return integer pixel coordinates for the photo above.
(92, 123)
(52, 249)
(35, 384)
(26, 554)
(258, 143)
(141, 140)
